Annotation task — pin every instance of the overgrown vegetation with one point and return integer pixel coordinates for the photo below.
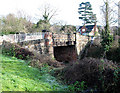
(114, 55)
(92, 74)
(107, 38)
(85, 75)
(96, 51)
(15, 51)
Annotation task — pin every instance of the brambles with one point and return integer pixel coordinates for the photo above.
(98, 74)
(15, 51)
(77, 86)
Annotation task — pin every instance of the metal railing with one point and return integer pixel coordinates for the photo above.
(14, 38)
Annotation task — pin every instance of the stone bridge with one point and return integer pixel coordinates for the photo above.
(64, 47)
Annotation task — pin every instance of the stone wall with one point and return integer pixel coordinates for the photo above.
(73, 52)
(81, 42)
(52, 43)
(63, 39)
(63, 45)
(34, 45)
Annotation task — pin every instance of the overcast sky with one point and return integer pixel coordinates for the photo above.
(67, 9)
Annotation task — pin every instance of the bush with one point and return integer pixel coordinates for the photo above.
(99, 74)
(15, 50)
(96, 51)
(40, 59)
(114, 54)
(36, 59)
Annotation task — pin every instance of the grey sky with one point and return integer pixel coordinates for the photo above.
(67, 9)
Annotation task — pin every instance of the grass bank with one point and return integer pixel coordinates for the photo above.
(17, 75)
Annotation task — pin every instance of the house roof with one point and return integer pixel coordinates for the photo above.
(80, 27)
(88, 28)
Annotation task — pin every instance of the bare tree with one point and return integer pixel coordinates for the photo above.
(23, 14)
(25, 19)
(112, 19)
(118, 14)
(117, 4)
(106, 36)
(47, 14)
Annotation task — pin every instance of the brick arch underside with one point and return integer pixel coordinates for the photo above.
(65, 53)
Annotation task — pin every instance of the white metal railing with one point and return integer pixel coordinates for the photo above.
(14, 38)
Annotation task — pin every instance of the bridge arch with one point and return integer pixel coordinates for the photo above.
(65, 53)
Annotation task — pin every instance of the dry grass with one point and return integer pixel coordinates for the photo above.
(40, 59)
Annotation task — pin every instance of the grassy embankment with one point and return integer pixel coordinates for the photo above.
(17, 75)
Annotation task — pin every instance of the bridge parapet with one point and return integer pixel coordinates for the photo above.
(63, 39)
(45, 42)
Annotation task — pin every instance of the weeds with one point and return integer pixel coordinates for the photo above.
(99, 75)
(15, 51)
(113, 84)
(77, 86)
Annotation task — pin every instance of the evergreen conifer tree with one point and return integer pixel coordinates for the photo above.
(86, 14)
